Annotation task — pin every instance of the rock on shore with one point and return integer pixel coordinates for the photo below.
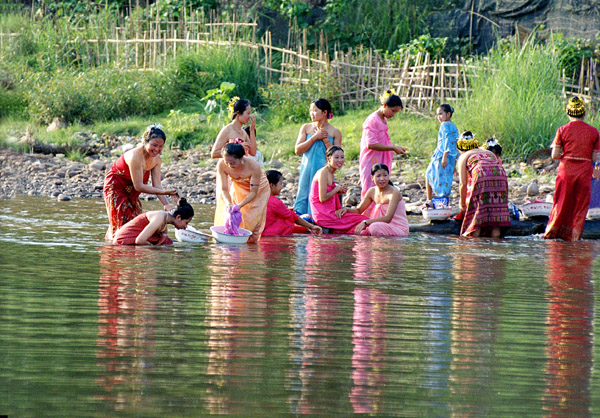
(193, 174)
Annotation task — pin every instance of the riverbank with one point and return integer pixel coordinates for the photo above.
(193, 174)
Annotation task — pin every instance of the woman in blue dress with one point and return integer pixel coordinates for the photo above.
(439, 174)
(313, 140)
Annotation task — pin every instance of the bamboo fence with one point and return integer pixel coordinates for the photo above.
(352, 77)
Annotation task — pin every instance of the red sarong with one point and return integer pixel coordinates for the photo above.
(571, 200)
(121, 199)
(127, 234)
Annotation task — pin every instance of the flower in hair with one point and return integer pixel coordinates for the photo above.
(390, 92)
(231, 105)
(155, 126)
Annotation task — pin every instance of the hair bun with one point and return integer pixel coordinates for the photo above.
(182, 201)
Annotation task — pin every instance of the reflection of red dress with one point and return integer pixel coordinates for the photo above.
(121, 199)
(573, 181)
(127, 234)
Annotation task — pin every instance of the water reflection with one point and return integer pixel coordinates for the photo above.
(127, 313)
(236, 303)
(476, 300)
(570, 329)
(318, 315)
(369, 320)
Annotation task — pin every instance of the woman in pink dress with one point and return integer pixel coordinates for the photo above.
(324, 200)
(150, 228)
(375, 144)
(388, 217)
(280, 219)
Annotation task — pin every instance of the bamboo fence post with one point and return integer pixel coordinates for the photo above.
(457, 78)
(442, 83)
(432, 95)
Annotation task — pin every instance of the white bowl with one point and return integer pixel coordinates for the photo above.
(593, 213)
(191, 235)
(536, 209)
(218, 233)
(437, 214)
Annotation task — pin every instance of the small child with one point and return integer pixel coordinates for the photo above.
(280, 219)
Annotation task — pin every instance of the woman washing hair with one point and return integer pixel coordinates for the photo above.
(150, 228)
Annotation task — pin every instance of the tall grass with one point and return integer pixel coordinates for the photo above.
(516, 97)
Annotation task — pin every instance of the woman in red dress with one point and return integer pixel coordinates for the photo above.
(150, 228)
(576, 144)
(127, 179)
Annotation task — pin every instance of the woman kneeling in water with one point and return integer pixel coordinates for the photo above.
(151, 227)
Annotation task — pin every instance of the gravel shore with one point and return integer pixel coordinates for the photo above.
(192, 173)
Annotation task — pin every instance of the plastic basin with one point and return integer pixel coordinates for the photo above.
(219, 234)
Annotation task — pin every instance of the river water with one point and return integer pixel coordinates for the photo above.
(424, 326)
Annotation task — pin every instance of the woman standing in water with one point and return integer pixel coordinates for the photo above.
(440, 171)
(388, 217)
(375, 144)
(127, 179)
(576, 144)
(241, 183)
(150, 228)
(314, 139)
(324, 201)
(240, 113)
(483, 190)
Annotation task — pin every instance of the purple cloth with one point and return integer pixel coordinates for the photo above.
(233, 220)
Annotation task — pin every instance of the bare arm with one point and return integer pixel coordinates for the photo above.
(382, 147)
(556, 153)
(337, 138)
(220, 142)
(136, 170)
(223, 183)
(364, 203)
(157, 220)
(252, 137)
(156, 182)
(302, 143)
(324, 196)
(391, 210)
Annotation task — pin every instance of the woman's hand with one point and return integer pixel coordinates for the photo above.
(316, 230)
(340, 212)
(342, 189)
(320, 135)
(596, 173)
(168, 207)
(400, 150)
(360, 227)
(444, 162)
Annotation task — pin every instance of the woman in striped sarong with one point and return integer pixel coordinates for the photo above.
(483, 190)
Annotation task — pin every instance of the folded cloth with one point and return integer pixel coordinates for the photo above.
(233, 220)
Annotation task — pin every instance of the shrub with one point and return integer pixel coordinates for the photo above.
(516, 96)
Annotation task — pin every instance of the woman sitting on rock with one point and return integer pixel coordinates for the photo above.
(388, 217)
(324, 200)
(241, 185)
(127, 179)
(150, 228)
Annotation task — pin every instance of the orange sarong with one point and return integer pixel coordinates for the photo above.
(254, 213)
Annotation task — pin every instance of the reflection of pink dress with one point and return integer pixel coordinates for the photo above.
(398, 226)
(324, 212)
(375, 131)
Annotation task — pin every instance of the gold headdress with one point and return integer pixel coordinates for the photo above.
(467, 141)
(390, 92)
(575, 107)
(231, 105)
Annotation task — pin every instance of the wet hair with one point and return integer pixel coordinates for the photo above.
(378, 167)
(273, 176)
(447, 108)
(324, 105)
(393, 101)
(154, 131)
(332, 150)
(239, 107)
(235, 150)
(493, 145)
(183, 209)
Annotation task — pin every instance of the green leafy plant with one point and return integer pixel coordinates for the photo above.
(216, 101)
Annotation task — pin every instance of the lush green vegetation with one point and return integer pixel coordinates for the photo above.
(45, 73)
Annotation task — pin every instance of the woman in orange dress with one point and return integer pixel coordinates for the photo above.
(576, 144)
(241, 183)
(127, 179)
